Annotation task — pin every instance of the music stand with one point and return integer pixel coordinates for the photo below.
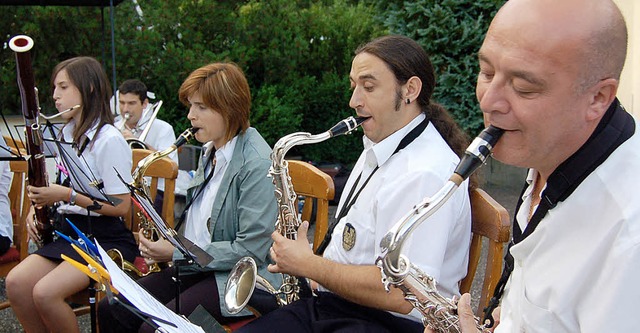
(192, 253)
(145, 302)
(82, 180)
(98, 270)
(7, 154)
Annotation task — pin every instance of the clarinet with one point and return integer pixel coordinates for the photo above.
(37, 173)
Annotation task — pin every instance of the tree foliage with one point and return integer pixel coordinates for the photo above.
(452, 32)
(295, 54)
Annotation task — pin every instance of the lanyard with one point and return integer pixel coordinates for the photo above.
(199, 190)
(613, 130)
(406, 140)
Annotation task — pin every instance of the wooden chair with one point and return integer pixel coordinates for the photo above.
(491, 221)
(317, 189)
(19, 206)
(166, 169)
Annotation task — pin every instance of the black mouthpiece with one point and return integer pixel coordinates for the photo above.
(478, 151)
(186, 136)
(346, 126)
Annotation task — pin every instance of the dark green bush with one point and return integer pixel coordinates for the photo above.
(296, 54)
(451, 31)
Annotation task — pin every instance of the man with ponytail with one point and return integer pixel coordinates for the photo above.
(411, 147)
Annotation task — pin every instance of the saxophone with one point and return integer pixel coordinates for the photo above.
(244, 277)
(142, 188)
(439, 313)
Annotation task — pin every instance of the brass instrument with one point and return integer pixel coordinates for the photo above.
(244, 277)
(138, 143)
(37, 172)
(439, 313)
(125, 117)
(142, 188)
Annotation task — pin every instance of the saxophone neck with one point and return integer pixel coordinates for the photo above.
(144, 164)
(393, 241)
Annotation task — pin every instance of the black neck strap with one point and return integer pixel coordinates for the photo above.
(199, 190)
(406, 140)
(616, 127)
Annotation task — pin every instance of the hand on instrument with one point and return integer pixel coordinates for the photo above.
(32, 231)
(467, 319)
(290, 256)
(155, 251)
(126, 132)
(47, 195)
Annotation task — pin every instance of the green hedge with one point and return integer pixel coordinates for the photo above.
(296, 54)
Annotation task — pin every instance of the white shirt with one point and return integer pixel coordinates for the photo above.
(106, 150)
(6, 223)
(197, 222)
(441, 244)
(579, 270)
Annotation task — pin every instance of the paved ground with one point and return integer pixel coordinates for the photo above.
(506, 195)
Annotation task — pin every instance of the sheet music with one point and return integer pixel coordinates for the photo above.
(50, 149)
(185, 246)
(144, 301)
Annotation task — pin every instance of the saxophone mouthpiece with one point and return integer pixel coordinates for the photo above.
(477, 153)
(346, 126)
(185, 136)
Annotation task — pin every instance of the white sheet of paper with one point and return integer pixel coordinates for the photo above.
(144, 301)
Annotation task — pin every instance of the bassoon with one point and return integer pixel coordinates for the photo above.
(37, 173)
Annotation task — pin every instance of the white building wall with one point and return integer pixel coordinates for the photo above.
(629, 91)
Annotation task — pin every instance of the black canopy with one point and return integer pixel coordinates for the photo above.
(101, 3)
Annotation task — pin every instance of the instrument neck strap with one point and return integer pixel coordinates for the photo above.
(406, 140)
(198, 192)
(616, 127)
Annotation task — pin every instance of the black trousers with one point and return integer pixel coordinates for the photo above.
(330, 313)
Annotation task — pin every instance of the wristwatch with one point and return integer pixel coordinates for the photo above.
(72, 198)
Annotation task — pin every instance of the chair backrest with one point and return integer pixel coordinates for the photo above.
(17, 144)
(166, 169)
(311, 183)
(489, 220)
(19, 206)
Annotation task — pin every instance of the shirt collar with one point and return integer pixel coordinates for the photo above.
(225, 152)
(67, 130)
(383, 150)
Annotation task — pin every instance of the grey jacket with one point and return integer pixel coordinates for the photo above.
(244, 213)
